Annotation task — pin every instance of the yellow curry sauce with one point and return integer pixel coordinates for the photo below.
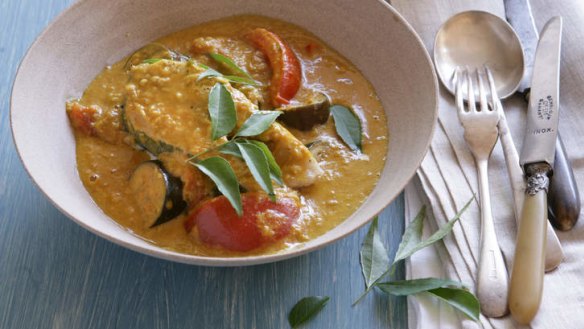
(174, 101)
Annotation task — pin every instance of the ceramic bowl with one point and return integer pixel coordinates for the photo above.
(94, 33)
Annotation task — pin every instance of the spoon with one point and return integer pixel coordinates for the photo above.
(474, 39)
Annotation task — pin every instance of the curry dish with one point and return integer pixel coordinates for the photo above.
(242, 136)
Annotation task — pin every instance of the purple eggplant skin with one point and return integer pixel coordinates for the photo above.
(171, 203)
(315, 111)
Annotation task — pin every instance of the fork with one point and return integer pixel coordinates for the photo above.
(481, 134)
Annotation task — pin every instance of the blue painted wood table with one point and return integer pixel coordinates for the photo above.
(54, 274)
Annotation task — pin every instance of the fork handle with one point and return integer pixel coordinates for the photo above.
(528, 267)
(492, 279)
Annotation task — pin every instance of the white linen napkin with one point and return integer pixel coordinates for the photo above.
(447, 177)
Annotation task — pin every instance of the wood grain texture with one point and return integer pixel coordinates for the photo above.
(54, 274)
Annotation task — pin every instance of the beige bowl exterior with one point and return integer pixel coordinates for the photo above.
(94, 33)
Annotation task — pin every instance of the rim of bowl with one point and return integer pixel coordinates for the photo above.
(166, 254)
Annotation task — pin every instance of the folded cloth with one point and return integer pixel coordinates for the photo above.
(448, 179)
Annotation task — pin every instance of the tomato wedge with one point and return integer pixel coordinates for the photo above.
(83, 118)
(263, 221)
(286, 70)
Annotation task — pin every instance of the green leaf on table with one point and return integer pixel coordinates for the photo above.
(411, 241)
(374, 259)
(412, 237)
(275, 171)
(409, 287)
(452, 292)
(305, 309)
(222, 111)
(228, 62)
(461, 299)
(258, 166)
(221, 173)
(257, 123)
(348, 126)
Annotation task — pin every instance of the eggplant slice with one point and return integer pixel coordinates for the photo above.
(306, 116)
(157, 193)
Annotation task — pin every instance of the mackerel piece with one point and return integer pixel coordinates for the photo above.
(537, 160)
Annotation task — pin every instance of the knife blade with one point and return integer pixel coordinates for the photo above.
(537, 159)
(563, 197)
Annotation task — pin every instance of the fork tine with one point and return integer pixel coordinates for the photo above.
(458, 77)
(494, 97)
(484, 106)
(470, 94)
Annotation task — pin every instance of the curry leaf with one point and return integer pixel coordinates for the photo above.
(209, 72)
(305, 309)
(275, 171)
(231, 149)
(348, 126)
(222, 111)
(240, 80)
(257, 123)
(452, 292)
(230, 64)
(151, 60)
(258, 166)
(221, 173)
(460, 299)
(409, 287)
(374, 259)
(412, 237)
(411, 241)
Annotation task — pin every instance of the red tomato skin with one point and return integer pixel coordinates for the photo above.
(286, 70)
(83, 118)
(218, 223)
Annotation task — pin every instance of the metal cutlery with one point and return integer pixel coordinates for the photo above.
(481, 134)
(563, 196)
(537, 159)
(456, 45)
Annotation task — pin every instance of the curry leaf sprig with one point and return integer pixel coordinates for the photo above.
(375, 266)
(256, 155)
(242, 76)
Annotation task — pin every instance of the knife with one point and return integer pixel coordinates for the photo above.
(537, 160)
(563, 197)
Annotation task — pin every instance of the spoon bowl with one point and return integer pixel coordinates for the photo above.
(474, 39)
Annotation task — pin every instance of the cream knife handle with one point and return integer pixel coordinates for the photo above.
(528, 265)
(554, 254)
